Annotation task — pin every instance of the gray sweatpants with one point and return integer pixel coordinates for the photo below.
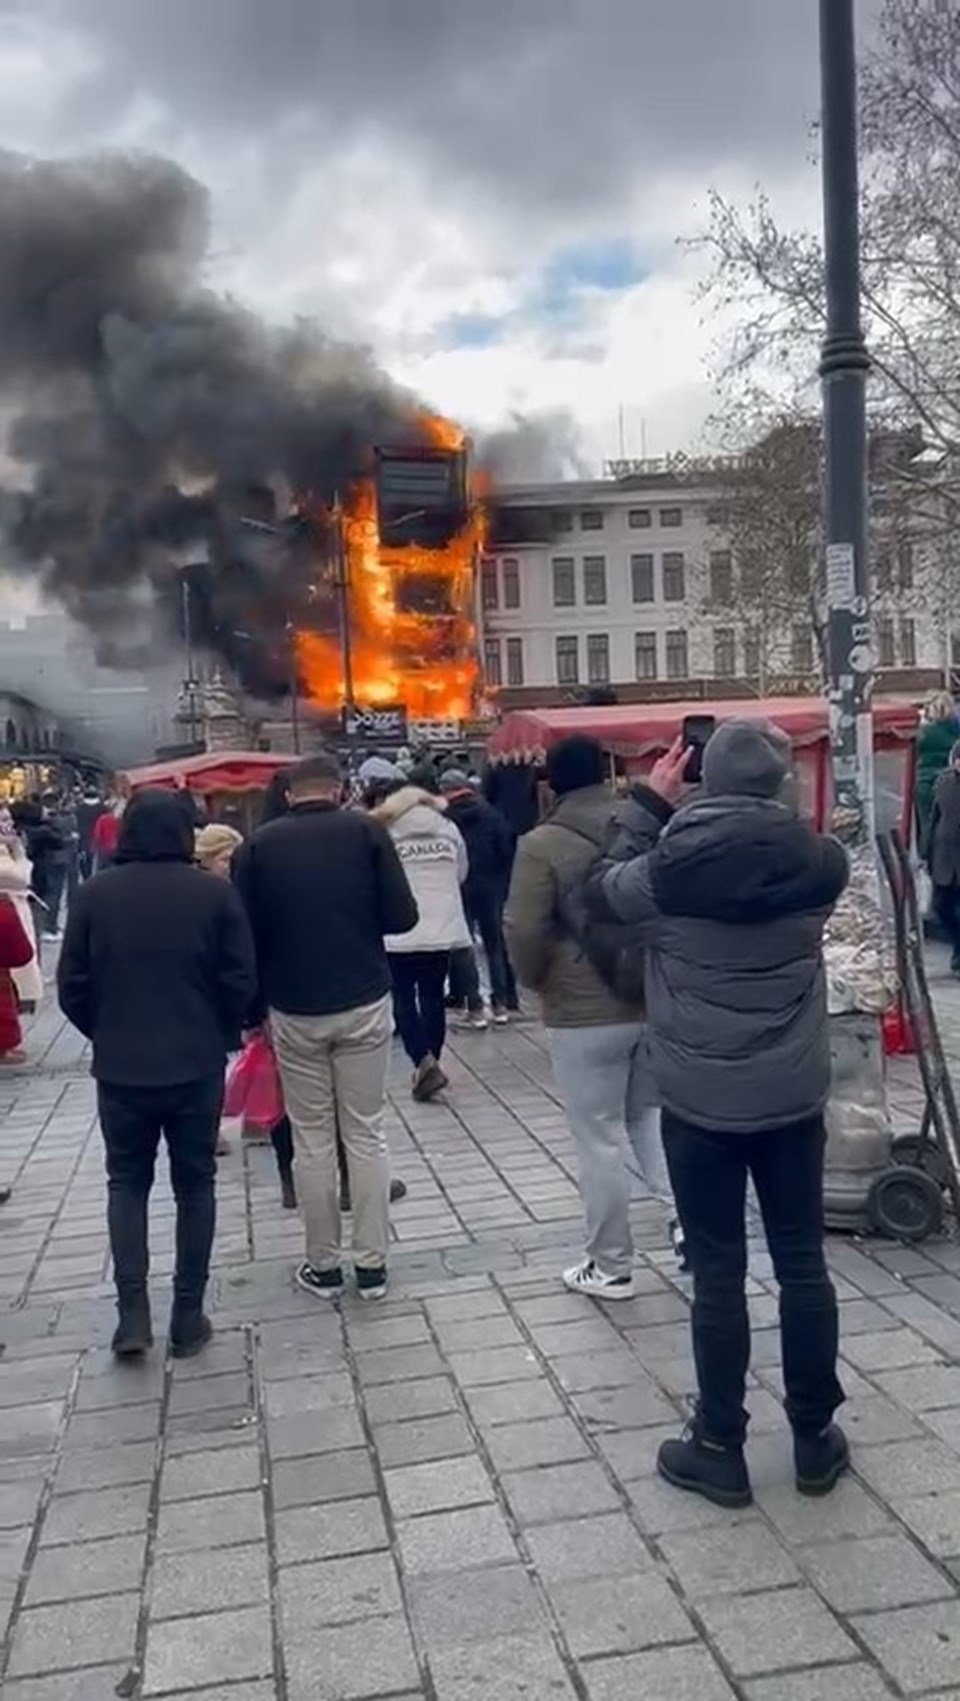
(604, 1076)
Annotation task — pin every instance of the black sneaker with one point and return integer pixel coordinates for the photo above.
(398, 1190)
(189, 1335)
(821, 1459)
(704, 1467)
(326, 1284)
(372, 1284)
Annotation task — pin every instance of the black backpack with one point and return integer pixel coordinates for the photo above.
(612, 948)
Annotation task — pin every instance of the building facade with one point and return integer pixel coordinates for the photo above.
(632, 582)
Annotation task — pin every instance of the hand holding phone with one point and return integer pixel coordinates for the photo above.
(696, 734)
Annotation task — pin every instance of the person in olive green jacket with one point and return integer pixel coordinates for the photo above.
(598, 1045)
(938, 732)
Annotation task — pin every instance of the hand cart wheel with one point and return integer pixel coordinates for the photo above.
(917, 1151)
(905, 1204)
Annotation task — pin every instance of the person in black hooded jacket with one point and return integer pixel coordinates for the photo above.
(158, 971)
(729, 895)
(490, 846)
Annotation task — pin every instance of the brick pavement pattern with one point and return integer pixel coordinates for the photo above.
(450, 1496)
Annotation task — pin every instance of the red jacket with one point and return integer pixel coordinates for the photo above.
(16, 951)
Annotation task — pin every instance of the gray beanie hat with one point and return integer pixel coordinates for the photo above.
(377, 768)
(746, 759)
(454, 779)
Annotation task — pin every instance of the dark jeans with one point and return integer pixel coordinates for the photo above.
(465, 979)
(947, 904)
(53, 896)
(132, 1120)
(709, 1175)
(419, 1007)
(484, 909)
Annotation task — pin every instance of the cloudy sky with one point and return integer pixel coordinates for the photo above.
(489, 192)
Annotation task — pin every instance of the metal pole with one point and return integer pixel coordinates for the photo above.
(188, 652)
(343, 590)
(294, 686)
(859, 1130)
(843, 370)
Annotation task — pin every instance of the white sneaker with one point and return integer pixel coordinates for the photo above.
(479, 1021)
(587, 1278)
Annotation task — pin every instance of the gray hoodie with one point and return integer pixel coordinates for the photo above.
(730, 894)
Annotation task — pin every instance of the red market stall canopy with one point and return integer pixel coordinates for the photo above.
(230, 771)
(638, 730)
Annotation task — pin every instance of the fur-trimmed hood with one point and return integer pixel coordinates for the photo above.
(399, 803)
(434, 859)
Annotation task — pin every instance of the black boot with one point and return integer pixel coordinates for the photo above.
(133, 1335)
(821, 1459)
(704, 1467)
(190, 1330)
(127, 1225)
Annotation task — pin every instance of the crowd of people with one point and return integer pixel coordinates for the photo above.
(672, 939)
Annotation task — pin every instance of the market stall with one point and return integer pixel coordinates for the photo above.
(230, 783)
(635, 734)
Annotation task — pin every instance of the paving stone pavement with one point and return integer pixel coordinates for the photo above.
(449, 1496)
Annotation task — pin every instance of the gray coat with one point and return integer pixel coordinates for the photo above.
(731, 895)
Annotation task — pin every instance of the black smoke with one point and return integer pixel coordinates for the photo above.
(148, 419)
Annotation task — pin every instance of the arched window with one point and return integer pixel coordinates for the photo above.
(10, 736)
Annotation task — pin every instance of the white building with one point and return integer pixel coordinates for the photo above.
(627, 581)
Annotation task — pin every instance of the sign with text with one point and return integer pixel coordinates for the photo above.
(385, 725)
(447, 731)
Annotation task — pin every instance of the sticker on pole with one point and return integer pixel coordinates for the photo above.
(840, 575)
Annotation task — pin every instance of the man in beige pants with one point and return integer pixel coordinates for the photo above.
(322, 885)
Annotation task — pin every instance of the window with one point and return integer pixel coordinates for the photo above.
(905, 564)
(594, 580)
(883, 567)
(514, 661)
(801, 648)
(908, 643)
(886, 647)
(564, 583)
(674, 577)
(562, 520)
(645, 651)
(724, 652)
(677, 655)
(671, 516)
(751, 653)
(598, 658)
(511, 584)
(718, 514)
(639, 519)
(721, 576)
(489, 594)
(568, 661)
(641, 577)
(491, 661)
(591, 520)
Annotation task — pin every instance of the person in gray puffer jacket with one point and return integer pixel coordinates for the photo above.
(730, 894)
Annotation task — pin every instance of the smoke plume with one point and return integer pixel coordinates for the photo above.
(146, 416)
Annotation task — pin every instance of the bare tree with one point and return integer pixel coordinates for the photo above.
(768, 583)
(910, 133)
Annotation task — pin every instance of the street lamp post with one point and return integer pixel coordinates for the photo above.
(859, 1135)
(843, 370)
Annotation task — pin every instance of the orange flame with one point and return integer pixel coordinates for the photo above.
(426, 661)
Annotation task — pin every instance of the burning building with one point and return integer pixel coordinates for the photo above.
(147, 421)
(402, 551)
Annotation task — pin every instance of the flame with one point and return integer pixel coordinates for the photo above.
(426, 661)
